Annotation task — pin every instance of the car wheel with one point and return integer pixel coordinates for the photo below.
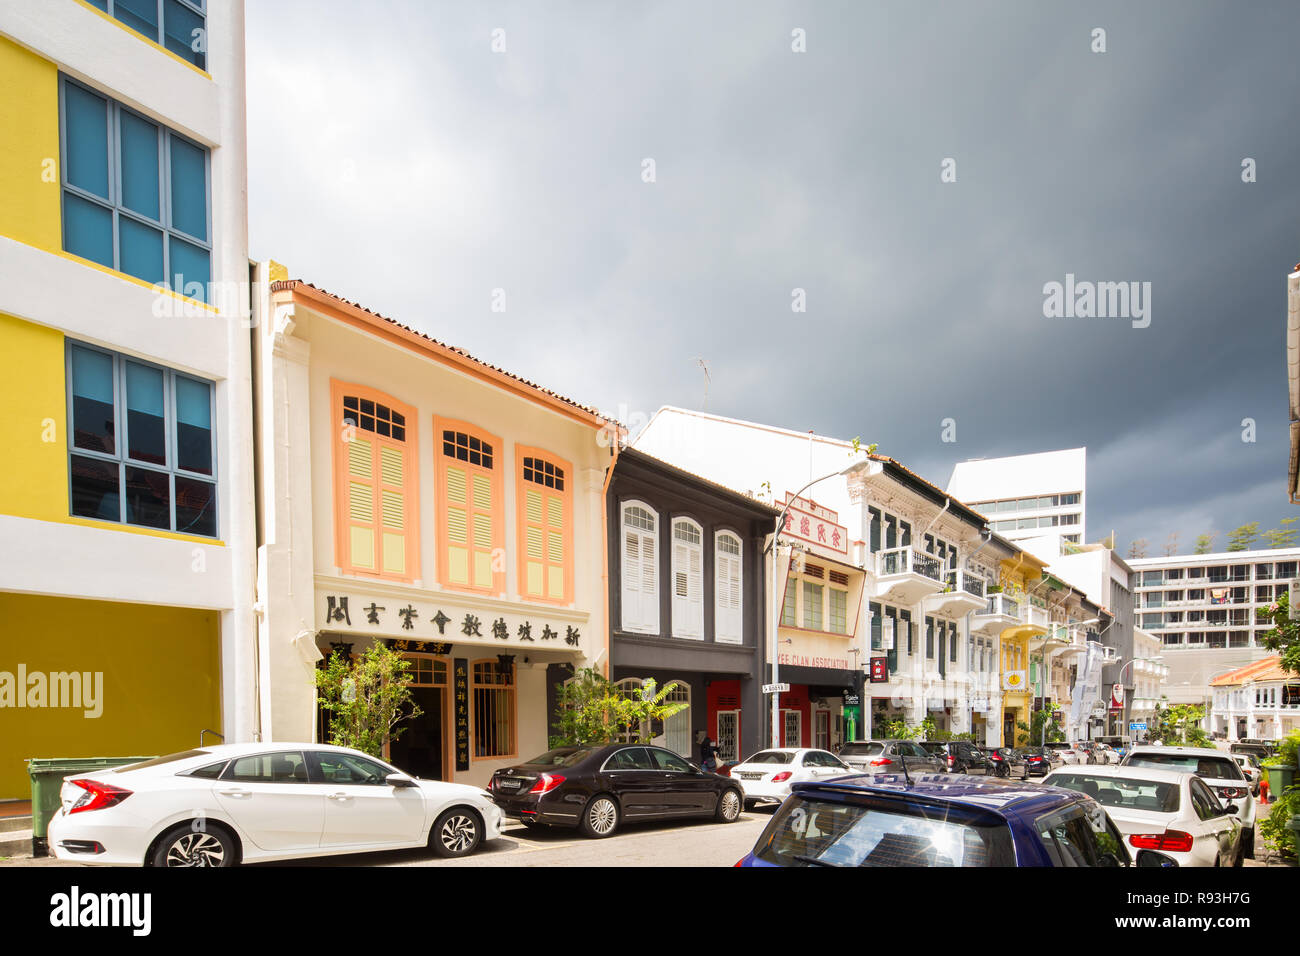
(600, 818)
(184, 846)
(457, 832)
(729, 805)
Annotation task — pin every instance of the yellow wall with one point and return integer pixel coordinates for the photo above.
(29, 159)
(161, 680)
(34, 479)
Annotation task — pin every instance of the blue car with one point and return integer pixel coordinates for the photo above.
(937, 820)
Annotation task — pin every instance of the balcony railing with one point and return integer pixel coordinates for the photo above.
(908, 561)
(963, 581)
(1002, 605)
(1034, 616)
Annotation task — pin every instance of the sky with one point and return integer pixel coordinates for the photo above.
(850, 211)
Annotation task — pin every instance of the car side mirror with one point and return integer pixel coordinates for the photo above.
(400, 780)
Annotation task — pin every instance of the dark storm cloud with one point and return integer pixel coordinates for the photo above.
(397, 160)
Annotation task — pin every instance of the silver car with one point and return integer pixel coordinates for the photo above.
(890, 756)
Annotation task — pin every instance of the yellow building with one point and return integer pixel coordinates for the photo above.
(1020, 578)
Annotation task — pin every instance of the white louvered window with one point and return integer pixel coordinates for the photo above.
(688, 579)
(640, 572)
(727, 616)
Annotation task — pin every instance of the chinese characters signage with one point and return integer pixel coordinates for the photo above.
(880, 670)
(809, 521)
(460, 707)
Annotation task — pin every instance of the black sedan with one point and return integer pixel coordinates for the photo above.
(1006, 762)
(597, 788)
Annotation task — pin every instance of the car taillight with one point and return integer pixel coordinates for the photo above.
(492, 782)
(97, 796)
(547, 782)
(1175, 841)
(783, 775)
(995, 757)
(951, 760)
(881, 762)
(1231, 792)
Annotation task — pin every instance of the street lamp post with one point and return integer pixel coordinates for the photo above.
(779, 593)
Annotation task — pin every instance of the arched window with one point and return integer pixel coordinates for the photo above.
(471, 515)
(688, 579)
(640, 568)
(545, 494)
(376, 501)
(728, 622)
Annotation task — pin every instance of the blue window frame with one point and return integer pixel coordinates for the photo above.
(178, 25)
(135, 193)
(142, 445)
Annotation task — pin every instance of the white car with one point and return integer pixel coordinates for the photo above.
(1068, 753)
(1249, 765)
(1219, 771)
(767, 775)
(1170, 812)
(1106, 753)
(233, 803)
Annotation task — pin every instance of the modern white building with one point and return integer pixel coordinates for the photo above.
(1028, 496)
(1202, 607)
(126, 498)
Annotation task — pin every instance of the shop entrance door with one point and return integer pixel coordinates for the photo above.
(423, 748)
(1009, 729)
(822, 729)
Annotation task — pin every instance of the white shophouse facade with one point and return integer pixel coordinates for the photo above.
(415, 496)
(920, 559)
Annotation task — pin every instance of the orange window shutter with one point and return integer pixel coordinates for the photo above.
(392, 477)
(483, 519)
(458, 554)
(361, 490)
(557, 548)
(534, 551)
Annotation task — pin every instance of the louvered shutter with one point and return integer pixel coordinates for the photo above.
(361, 503)
(534, 544)
(727, 622)
(392, 492)
(649, 590)
(633, 605)
(556, 547)
(483, 518)
(458, 551)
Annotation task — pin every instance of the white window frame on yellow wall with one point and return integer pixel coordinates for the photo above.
(688, 579)
(728, 588)
(639, 568)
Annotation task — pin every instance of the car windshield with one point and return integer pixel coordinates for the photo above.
(861, 749)
(1130, 792)
(811, 832)
(770, 756)
(563, 757)
(1211, 768)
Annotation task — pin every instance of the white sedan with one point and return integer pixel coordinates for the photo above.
(767, 775)
(222, 805)
(1172, 813)
(1249, 765)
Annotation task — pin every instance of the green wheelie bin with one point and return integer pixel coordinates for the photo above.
(47, 780)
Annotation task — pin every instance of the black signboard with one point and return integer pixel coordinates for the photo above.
(460, 688)
(851, 699)
(880, 670)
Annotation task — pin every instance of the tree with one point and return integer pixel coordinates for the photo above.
(1171, 544)
(1204, 542)
(1032, 732)
(1240, 539)
(1138, 549)
(1283, 537)
(366, 697)
(1181, 725)
(591, 710)
(1284, 638)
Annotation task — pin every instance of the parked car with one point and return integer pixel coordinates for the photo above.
(768, 774)
(1169, 812)
(1039, 761)
(887, 756)
(1006, 762)
(1068, 753)
(1104, 753)
(960, 756)
(1263, 749)
(1250, 766)
(1219, 771)
(599, 788)
(1088, 751)
(233, 803)
(937, 820)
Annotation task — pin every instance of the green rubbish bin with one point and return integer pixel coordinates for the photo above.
(47, 780)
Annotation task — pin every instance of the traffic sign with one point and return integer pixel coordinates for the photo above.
(776, 688)
(1138, 726)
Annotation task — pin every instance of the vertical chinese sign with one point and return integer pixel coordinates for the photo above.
(461, 689)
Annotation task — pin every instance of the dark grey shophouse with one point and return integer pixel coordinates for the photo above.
(686, 600)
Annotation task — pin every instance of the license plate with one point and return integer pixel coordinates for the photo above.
(508, 784)
(751, 776)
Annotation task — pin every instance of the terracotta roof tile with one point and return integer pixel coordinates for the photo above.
(1269, 668)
